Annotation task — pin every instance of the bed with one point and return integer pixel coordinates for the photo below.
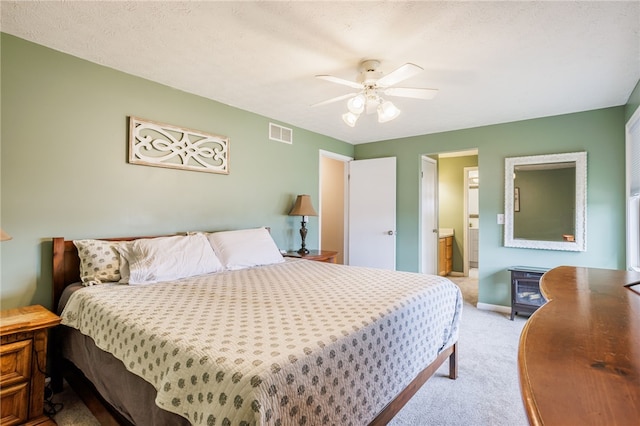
(261, 340)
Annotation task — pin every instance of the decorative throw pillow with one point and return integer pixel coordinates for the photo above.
(99, 261)
(152, 260)
(245, 248)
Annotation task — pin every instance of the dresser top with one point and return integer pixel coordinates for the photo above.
(579, 354)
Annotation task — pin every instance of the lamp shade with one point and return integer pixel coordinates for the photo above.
(350, 118)
(4, 236)
(303, 207)
(356, 104)
(387, 111)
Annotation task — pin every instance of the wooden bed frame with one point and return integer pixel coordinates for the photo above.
(66, 271)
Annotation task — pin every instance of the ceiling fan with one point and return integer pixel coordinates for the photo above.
(371, 84)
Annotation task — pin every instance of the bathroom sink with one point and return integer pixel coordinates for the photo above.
(445, 232)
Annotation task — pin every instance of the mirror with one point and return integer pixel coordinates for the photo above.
(545, 202)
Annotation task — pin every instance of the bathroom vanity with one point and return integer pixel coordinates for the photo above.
(445, 251)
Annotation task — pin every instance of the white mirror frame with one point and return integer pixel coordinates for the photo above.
(580, 243)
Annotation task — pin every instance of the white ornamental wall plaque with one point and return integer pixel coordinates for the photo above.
(163, 145)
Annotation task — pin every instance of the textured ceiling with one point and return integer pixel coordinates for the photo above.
(493, 62)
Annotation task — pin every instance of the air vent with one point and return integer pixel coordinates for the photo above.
(280, 134)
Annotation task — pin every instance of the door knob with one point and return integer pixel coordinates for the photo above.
(391, 232)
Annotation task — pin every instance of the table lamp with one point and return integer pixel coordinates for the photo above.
(304, 208)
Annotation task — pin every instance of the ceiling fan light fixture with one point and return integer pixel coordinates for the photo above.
(356, 104)
(371, 84)
(387, 111)
(350, 118)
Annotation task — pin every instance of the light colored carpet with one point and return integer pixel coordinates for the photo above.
(468, 286)
(486, 392)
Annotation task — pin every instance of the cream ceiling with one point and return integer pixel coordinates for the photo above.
(493, 62)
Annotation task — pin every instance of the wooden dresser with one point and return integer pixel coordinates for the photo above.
(23, 362)
(579, 354)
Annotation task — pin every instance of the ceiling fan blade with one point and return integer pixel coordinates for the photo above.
(410, 92)
(342, 81)
(406, 71)
(336, 99)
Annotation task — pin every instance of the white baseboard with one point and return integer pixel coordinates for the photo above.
(456, 274)
(496, 308)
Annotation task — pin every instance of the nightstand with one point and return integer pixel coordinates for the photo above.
(317, 255)
(23, 362)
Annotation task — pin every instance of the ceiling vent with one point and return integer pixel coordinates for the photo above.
(280, 133)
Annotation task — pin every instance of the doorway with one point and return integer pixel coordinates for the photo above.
(357, 209)
(333, 204)
(452, 218)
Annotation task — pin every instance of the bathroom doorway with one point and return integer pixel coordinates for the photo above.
(451, 200)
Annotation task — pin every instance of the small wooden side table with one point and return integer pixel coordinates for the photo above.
(317, 255)
(23, 362)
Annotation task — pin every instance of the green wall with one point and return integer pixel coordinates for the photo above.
(451, 201)
(600, 133)
(64, 169)
(64, 172)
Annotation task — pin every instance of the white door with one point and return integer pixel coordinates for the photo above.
(429, 219)
(372, 213)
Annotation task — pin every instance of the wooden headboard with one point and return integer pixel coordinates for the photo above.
(66, 264)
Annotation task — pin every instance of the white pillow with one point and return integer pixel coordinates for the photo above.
(125, 252)
(99, 261)
(245, 248)
(159, 259)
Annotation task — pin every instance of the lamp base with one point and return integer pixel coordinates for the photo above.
(303, 236)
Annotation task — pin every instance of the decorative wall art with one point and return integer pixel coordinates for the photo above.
(164, 145)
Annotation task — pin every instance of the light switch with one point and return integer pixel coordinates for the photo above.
(500, 219)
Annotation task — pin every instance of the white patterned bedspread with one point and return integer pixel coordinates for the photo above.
(299, 342)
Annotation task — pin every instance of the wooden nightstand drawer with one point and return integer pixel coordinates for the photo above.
(15, 404)
(23, 361)
(15, 362)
